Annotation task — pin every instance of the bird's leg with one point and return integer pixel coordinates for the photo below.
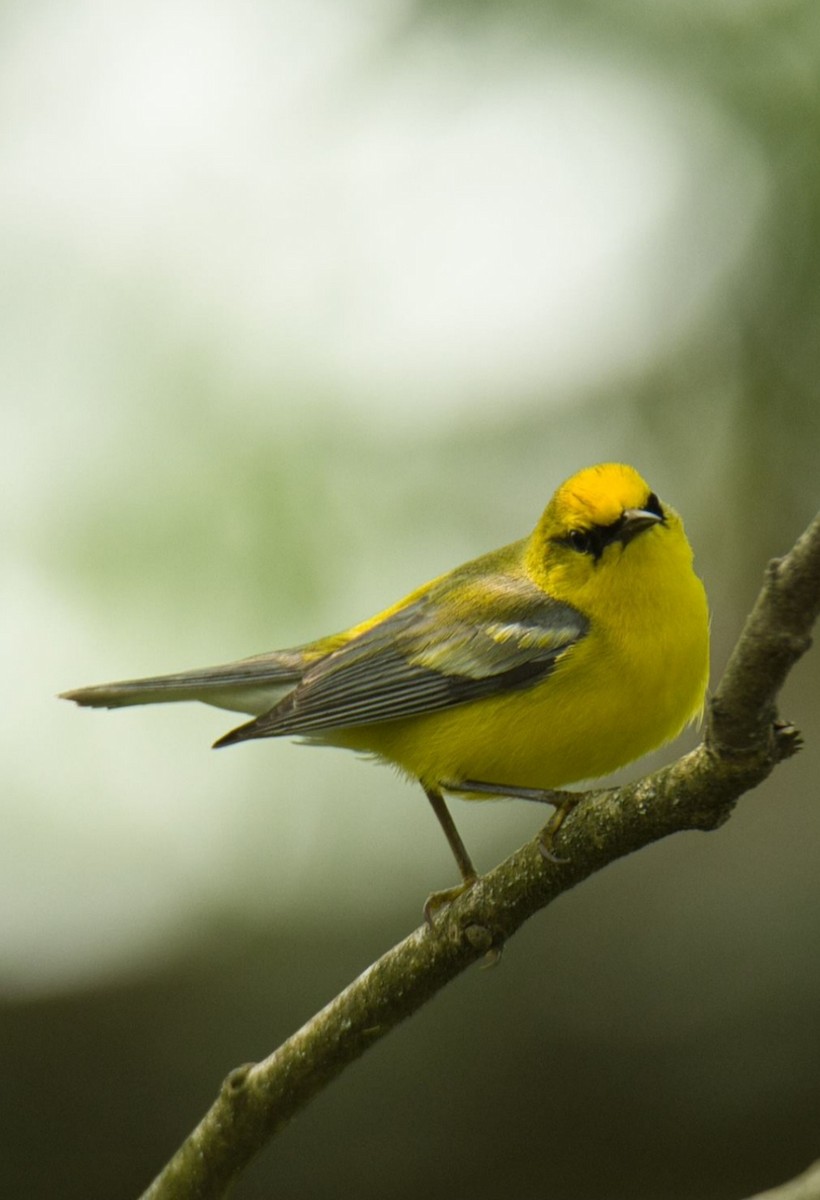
(563, 802)
(437, 900)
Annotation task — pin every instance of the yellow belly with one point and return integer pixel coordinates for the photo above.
(607, 703)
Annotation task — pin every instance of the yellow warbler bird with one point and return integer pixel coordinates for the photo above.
(558, 658)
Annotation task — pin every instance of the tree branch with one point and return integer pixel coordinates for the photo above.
(803, 1187)
(744, 740)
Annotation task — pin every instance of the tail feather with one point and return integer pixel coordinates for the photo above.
(251, 685)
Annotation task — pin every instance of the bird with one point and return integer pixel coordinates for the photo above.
(556, 659)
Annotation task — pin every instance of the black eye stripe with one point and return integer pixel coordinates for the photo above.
(587, 541)
(653, 505)
(594, 540)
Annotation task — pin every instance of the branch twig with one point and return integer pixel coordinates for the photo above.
(744, 740)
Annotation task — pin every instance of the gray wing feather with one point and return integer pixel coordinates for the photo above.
(414, 662)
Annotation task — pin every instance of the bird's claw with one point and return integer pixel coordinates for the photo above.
(438, 900)
(562, 810)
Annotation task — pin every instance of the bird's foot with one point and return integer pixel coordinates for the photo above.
(564, 803)
(438, 900)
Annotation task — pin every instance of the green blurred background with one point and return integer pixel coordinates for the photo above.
(301, 304)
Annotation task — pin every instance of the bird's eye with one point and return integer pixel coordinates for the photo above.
(653, 505)
(580, 540)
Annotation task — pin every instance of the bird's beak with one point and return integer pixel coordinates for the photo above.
(634, 521)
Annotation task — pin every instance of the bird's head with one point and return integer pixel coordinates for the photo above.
(601, 516)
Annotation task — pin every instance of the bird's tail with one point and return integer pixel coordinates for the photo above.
(251, 685)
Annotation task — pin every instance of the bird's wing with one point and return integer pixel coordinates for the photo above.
(436, 652)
